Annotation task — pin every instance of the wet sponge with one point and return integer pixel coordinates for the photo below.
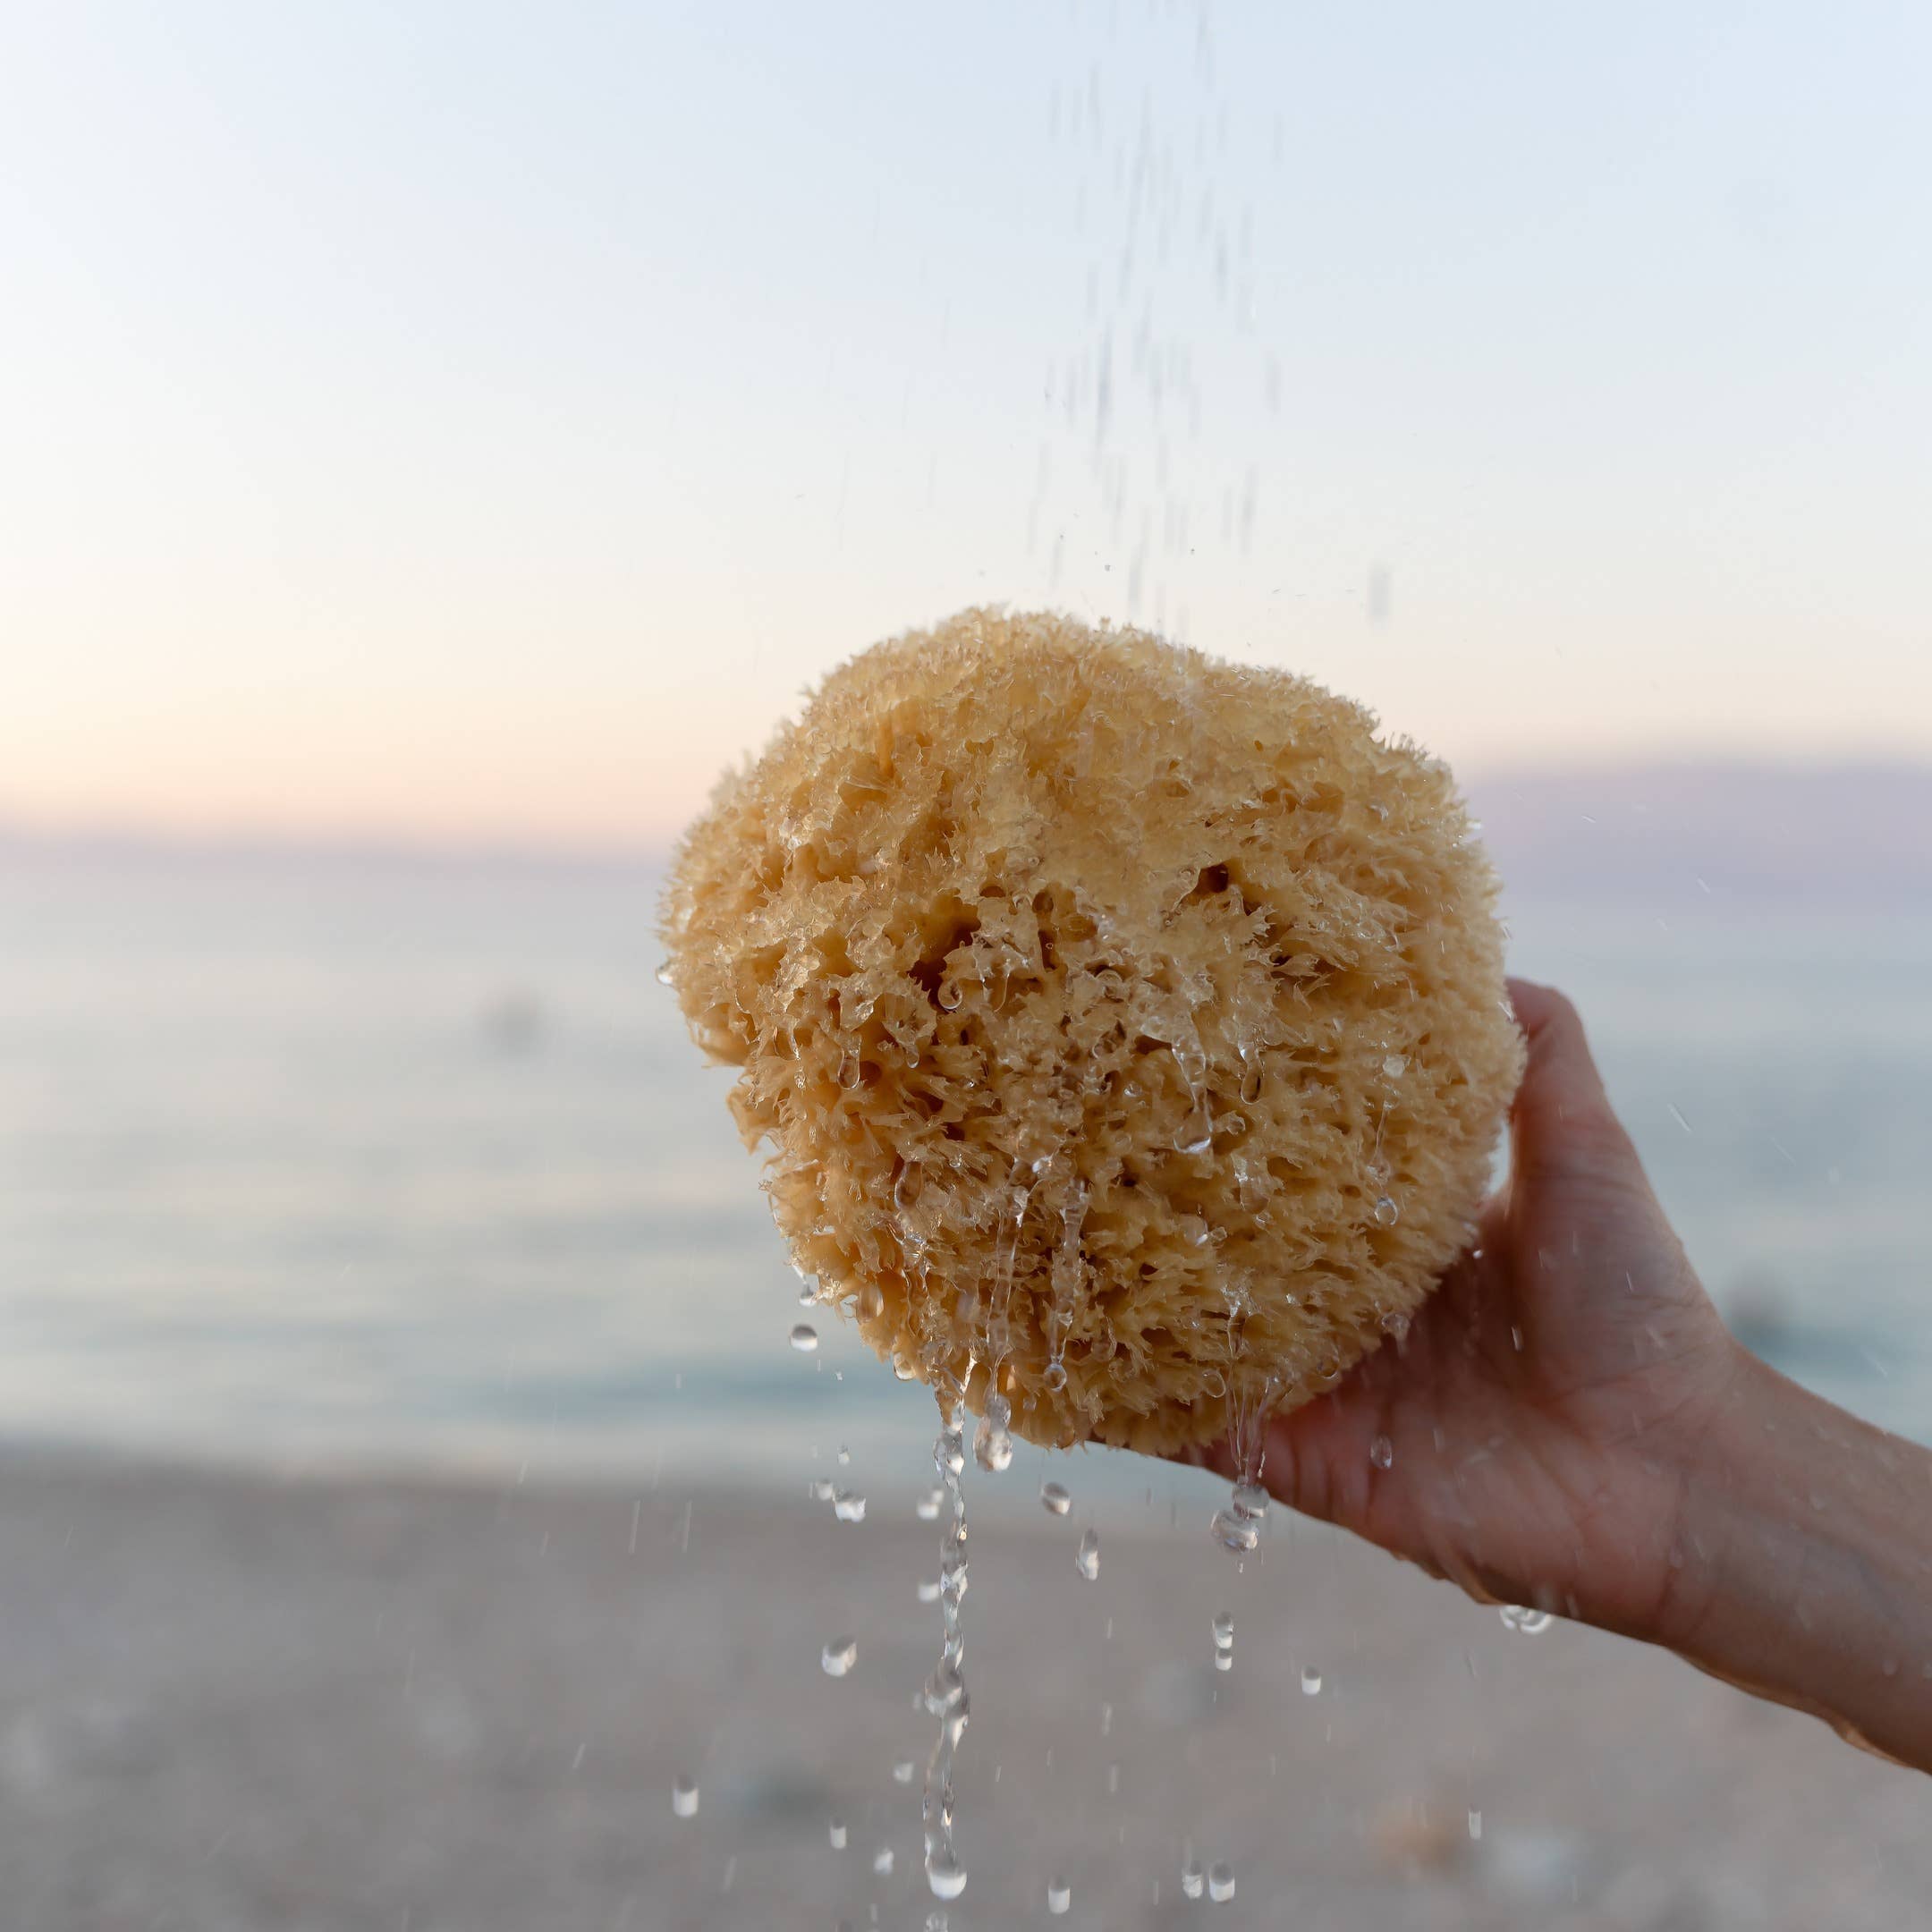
(1124, 1022)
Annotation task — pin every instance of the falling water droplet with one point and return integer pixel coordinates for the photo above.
(684, 1797)
(1221, 1881)
(943, 1690)
(1521, 1617)
(1193, 1879)
(945, 1875)
(665, 976)
(839, 1655)
(1475, 1823)
(993, 1447)
(1054, 1499)
(848, 1505)
(804, 1337)
(1224, 1641)
(1059, 1895)
(1087, 1558)
(822, 1490)
(881, 1860)
(902, 1771)
(1382, 1453)
(1235, 1529)
(927, 1509)
(836, 1831)
(1386, 1212)
(1310, 1682)
(930, 1589)
(844, 1455)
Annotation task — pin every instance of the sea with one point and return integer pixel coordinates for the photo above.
(317, 1161)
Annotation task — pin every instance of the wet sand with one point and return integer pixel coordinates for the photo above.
(228, 1703)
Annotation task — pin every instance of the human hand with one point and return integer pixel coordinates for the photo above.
(1568, 1424)
(1540, 1417)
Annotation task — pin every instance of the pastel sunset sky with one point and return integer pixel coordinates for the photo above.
(478, 421)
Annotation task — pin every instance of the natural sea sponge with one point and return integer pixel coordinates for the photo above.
(1125, 1022)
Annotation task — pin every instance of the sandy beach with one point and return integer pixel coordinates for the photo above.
(229, 1703)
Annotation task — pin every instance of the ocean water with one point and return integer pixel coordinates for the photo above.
(318, 1162)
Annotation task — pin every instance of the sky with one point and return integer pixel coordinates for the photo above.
(480, 422)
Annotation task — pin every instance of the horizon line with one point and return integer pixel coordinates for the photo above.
(400, 846)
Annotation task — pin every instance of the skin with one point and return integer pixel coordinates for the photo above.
(1572, 1427)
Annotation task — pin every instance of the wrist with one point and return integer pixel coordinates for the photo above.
(1799, 1560)
(1675, 1483)
(1728, 1486)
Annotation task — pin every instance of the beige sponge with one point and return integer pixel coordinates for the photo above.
(1127, 1024)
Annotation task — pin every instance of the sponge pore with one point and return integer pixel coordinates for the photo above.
(1128, 1025)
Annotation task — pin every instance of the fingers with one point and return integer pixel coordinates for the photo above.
(1563, 1122)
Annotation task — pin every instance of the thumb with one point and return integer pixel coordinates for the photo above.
(1562, 1126)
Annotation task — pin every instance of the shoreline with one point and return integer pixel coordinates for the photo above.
(331, 1701)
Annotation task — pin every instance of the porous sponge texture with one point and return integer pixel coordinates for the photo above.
(1127, 1020)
